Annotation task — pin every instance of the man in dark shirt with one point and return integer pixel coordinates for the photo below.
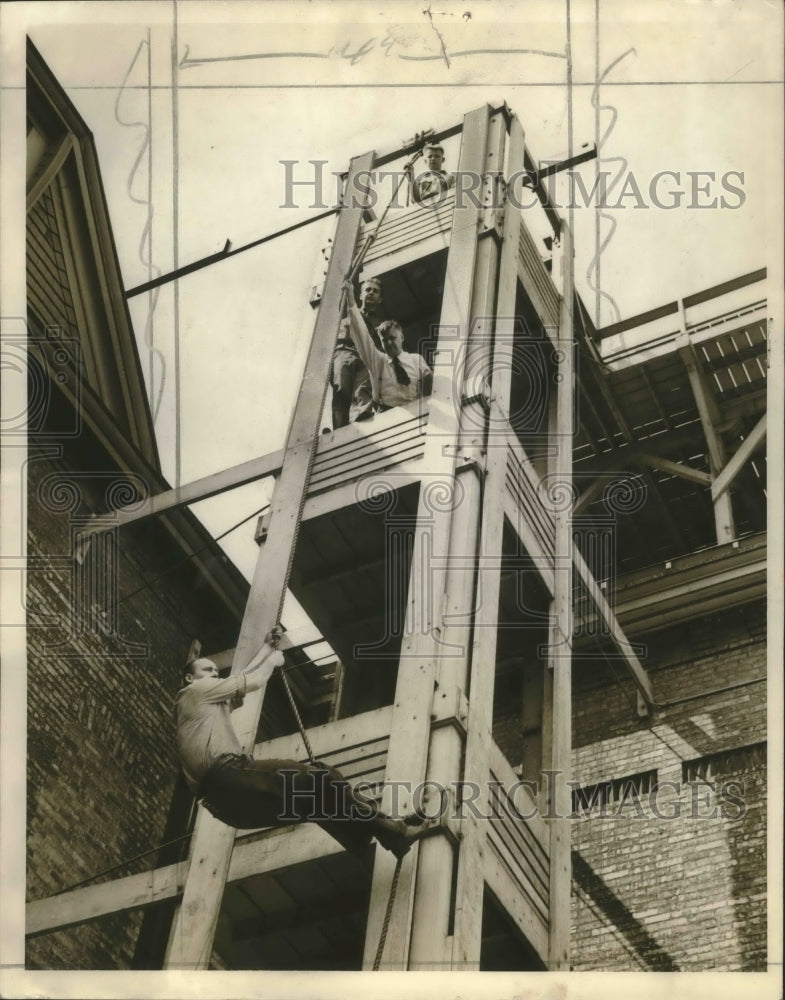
(352, 394)
(247, 793)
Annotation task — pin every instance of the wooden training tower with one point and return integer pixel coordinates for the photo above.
(432, 547)
(460, 457)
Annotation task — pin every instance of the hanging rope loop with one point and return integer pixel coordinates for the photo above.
(371, 237)
(377, 962)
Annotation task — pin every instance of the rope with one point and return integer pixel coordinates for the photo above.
(369, 240)
(276, 639)
(377, 962)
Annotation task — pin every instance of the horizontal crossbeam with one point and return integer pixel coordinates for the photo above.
(182, 496)
(279, 848)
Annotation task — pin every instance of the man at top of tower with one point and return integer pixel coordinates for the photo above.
(397, 377)
(435, 181)
(352, 395)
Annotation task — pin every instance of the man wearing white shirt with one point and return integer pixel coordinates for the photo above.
(397, 377)
(245, 792)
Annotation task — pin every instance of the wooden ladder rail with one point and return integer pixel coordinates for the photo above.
(191, 940)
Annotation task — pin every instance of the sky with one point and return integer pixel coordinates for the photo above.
(194, 106)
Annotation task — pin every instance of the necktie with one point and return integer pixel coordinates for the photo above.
(400, 372)
(369, 322)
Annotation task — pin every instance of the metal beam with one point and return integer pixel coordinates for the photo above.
(607, 395)
(620, 459)
(590, 493)
(608, 435)
(565, 161)
(753, 441)
(224, 254)
(690, 586)
(673, 307)
(542, 192)
(705, 403)
(719, 590)
(664, 417)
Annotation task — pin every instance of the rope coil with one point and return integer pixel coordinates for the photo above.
(377, 962)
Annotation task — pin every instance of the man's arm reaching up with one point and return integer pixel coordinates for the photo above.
(369, 353)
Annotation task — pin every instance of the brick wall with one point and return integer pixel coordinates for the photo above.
(687, 892)
(101, 685)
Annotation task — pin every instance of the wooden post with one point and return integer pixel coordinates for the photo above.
(559, 684)
(432, 902)
(470, 884)
(410, 732)
(190, 943)
(431, 917)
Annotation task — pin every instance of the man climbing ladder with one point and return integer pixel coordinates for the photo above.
(193, 929)
(246, 793)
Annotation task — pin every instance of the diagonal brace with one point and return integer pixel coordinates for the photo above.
(735, 464)
(625, 647)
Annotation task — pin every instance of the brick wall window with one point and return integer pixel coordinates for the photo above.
(613, 792)
(724, 762)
